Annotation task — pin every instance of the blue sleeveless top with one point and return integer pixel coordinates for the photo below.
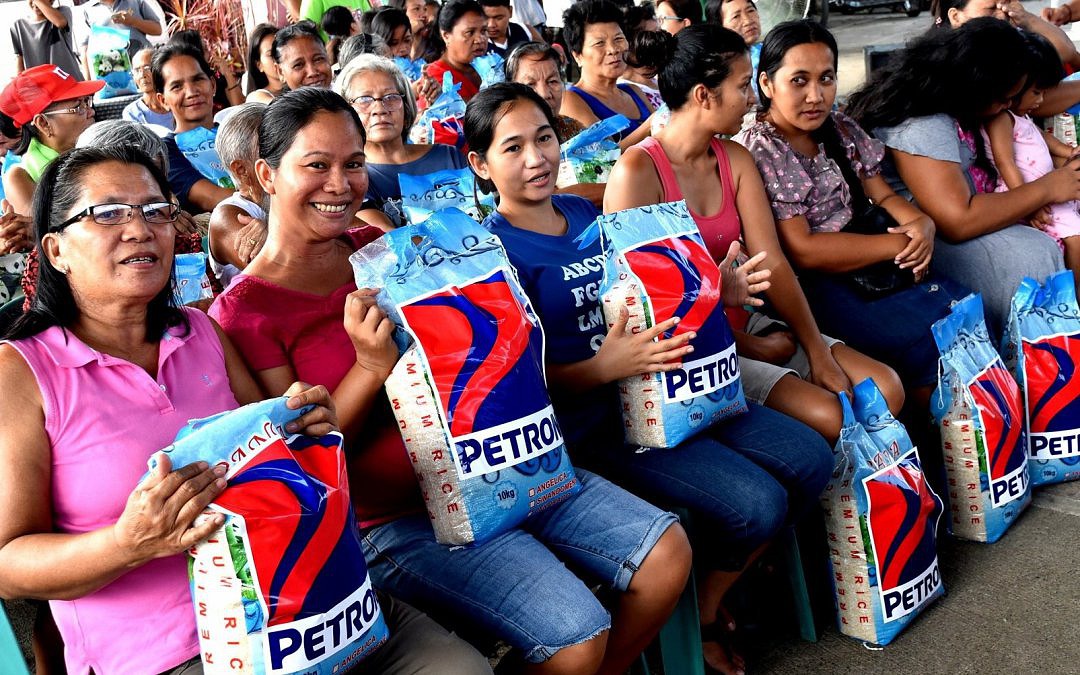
(603, 112)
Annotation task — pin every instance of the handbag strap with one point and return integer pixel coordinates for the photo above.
(829, 137)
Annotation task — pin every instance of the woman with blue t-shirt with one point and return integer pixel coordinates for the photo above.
(746, 476)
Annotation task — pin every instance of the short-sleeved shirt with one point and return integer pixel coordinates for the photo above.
(41, 42)
(933, 136)
(384, 190)
(137, 111)
(564, 286)
(273, 326)
(97, 13)
(182, 175)
(812, 187)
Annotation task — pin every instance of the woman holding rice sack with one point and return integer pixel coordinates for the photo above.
(98, 376)
(790, 367)
(296, 309)
(746, 476)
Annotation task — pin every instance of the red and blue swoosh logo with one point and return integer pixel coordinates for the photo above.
(903, 515)
(682, 280)
(1053, 387)
(484, 353)
(995, 393)
(306, 546)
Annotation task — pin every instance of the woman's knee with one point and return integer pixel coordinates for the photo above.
(667, 566)
(766, 514)
(808, 403)
(583, 657)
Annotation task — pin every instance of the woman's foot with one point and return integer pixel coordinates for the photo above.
(718, 649)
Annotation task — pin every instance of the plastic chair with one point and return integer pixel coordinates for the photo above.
(11, 657)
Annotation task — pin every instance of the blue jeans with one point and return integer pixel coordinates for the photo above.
(746, 477)
(516, 586)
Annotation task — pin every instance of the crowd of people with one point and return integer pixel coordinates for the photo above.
(845, 230)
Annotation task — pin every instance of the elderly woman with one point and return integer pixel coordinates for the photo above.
(53, 108)
(593, 30)
(303, 270)
(104, 329)
(381, 96)
(459, 36)
(536, 65)
(301, 56)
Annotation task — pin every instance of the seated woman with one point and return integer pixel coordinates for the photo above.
(593, 31)
(458, 36)
(383, 99)
(789, 367)
(742, 17)
(746, 476)
(927, 105)
(53, 108)
(263, 75)
(301, 56)
(513, 587)
(104, 329)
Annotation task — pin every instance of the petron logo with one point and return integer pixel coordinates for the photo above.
(485, 354)
(995, 393)
(902, 515)
(682, 280)
(1052, 388)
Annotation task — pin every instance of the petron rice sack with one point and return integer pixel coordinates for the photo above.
(881, 521)
(199, 146)
(656, 265)
(449, 188)
(978, 406)
(282, 587)
(589, 156)
(441, 121)
(469, 392)
(1043, 351)
(192, 282)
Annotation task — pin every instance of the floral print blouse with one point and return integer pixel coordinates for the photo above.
(812, 187)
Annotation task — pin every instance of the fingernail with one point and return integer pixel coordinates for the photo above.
(220, 470)
(220, 482)
(689, 348)
(291, 426)
(203, 466)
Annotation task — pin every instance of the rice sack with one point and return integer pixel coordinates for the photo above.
(199, 146)
(881, 522)
(109, 61)
(469, 393)
(441, 121)
(192, 282)
(491, 67)
(656, 266)
(450, 188)
(589, 156)
(1043, 351)
(282, 586)
(978, 407)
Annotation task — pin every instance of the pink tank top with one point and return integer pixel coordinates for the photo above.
(719, 230)
(104, 418)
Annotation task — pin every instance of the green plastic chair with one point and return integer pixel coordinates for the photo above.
(11, 658)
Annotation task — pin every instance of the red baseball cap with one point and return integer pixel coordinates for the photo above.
(37, 88)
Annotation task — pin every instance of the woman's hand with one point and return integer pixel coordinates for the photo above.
(625, 354)
(1059, 16)
(15, 230)
(916, 255)
(371, 332)
(826, 373)
(158, 519)
(427, 88)
(319, 421)
(1041, 219)
(250, 238)
(1063, 184)
(739, 283)
(185, 223)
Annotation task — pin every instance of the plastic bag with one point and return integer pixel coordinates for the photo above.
(977, 404)
(656, 266)
(423, 195)
(469, 393)
(192, 282)
(441, 121)
(109, 60)
(413, 70)
(881, 520)
(589, 156)
(491, 67)
(1043, 352)
(282, 587)
(12, 267)
(199, 146)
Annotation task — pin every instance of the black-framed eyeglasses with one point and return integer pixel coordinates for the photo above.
(81, 108)
(155, 213)
(391, 102)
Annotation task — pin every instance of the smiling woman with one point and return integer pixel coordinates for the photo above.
(301, 56)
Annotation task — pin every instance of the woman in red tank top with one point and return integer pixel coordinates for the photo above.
(705, 78)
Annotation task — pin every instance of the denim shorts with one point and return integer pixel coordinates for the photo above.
(519, 586)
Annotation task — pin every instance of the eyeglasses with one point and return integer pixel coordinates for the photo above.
(391, 102)
(81, 108)
(661, 18)
(141, 69)
(155, 213)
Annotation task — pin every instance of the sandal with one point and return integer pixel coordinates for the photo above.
(731, 661)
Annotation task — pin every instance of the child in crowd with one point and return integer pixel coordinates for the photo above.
(1023, 152)
(339, 23)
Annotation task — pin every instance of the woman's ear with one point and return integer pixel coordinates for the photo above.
(52, 247)
(265, 174)
(699, 94)
(41, 123)
(955, 18)
(479, 165)
(765, 85)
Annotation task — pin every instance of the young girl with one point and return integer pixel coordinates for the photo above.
(1024, 153)
(744, 477)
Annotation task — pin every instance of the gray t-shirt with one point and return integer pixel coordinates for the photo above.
(933, 136)
(41, 42)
